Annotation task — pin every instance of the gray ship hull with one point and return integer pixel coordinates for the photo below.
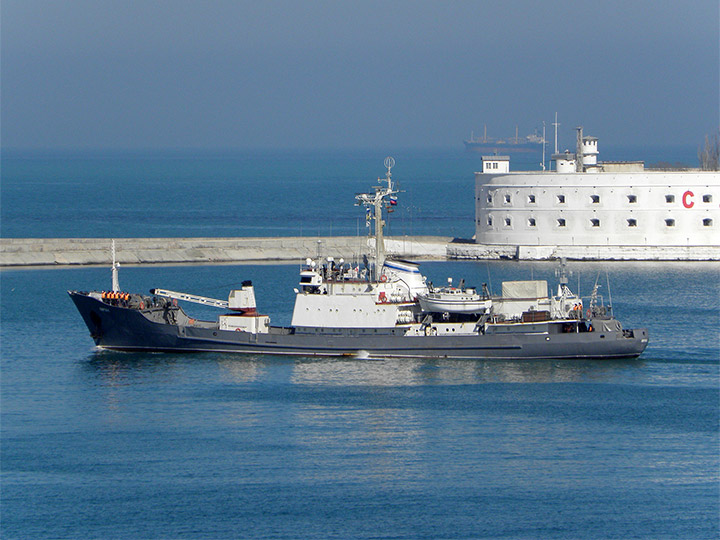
(169, 330)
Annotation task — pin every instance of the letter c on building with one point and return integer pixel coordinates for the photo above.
(688, 203)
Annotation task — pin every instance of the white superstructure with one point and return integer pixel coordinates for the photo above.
(587, 209)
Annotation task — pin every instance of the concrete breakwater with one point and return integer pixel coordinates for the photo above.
(17, 252)
(467, 250)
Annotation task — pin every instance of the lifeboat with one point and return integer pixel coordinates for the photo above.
(454, 300)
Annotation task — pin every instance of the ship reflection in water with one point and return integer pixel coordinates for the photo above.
(124, 369)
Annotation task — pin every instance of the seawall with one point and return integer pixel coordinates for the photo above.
(59, 252)
(44, 252)
(583, 253)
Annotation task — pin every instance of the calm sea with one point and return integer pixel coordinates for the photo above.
(248, 193)
(110, 445)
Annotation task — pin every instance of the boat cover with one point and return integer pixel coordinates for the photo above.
(524, 289)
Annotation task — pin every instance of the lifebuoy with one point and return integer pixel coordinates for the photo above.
(142, 305)
(383, 278)
(588, 313)
(174, 302)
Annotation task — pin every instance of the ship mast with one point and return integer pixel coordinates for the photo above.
(114, 271)
(376, 201)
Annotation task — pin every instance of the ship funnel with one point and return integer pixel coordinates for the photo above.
(243, 299)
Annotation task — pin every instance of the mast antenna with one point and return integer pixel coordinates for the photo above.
(543, 160)
(377, 201)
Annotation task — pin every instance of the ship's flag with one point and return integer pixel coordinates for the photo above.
(393, 201)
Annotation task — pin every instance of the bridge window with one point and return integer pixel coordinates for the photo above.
(669, 198)
(531, 199)
(595, 222)
(489, 221)
(707, 198)
(531, 222)
(707, 222)
(508, 200)
(595, 199)
(669, 222)
(561, 222)
(561, 199)
(508, 222)
(489, 198)
(632, 222)
(632, 199)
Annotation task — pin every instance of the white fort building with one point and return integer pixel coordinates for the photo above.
(586, 209)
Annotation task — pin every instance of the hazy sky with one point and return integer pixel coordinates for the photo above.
(319, 74)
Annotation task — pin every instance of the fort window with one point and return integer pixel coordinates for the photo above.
(508, 222)
(508, 200)
(595, 199)
(707, 222)
(595, 222)
(560, 222)
(561, 199)
(489, 198)
(531, 199)
(632, 222)
(669, 222)
(669, 198)
(489, 221)
(632, 199)
(531, 222)
(707, 198)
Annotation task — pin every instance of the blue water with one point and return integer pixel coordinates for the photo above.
(247, 194)
(110, 445)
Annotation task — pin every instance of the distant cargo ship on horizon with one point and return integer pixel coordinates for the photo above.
(529, 143)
